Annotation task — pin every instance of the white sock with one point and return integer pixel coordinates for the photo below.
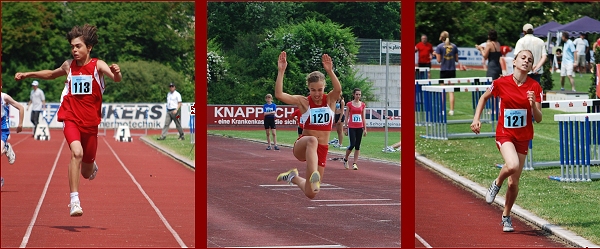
(74, 196)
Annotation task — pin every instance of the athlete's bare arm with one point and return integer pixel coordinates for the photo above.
(46, 74)
(279, 94)
(113, 71)
(337, 87)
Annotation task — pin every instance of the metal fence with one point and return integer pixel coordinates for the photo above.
(372, 52)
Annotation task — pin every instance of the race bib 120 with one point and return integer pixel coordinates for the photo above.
(320, 116)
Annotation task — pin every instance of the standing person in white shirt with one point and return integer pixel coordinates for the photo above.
(37, 102)
(582, 46)
(173, 112)
(537, 46)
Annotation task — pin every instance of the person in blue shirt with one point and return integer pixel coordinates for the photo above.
(569, 62)
(7, 149)
(269, 110)
(446, 54)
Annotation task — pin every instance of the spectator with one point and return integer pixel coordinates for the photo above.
(537, 47)
(491, 52)
(173, 113)
(446, 54)
(582, 46)
(269, 110)
(37, 101)
(425, 50)
(569, 60)
(558, 58)
(481, 47)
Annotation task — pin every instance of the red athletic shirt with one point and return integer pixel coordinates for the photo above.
(318, 117)
(297, 114)
(83, 102)
(355, 115)
(515, 119)
(425, 49)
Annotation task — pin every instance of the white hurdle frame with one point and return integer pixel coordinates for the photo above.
(420, 96)
(436, 118)
(593, 106)
(579, 146)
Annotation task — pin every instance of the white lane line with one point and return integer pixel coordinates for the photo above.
(422, 241)
(294, 189)
(39, 205)
(362, 204)
(162, 218)
(357, 200)
(311, 246)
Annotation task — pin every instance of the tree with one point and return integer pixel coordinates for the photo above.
(34, 38)
(146, 82)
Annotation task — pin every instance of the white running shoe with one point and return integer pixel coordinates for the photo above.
(507, 224)
(76, 210)
(334, 141)
(94, 173)
(491, 193)
(10, 153)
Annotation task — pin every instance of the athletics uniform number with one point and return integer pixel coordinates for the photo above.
(319, 116)
(515, 118)
(356, 118)
(81, 84)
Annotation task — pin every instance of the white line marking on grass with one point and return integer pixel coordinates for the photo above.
(162, 218)
(422, 241)
(39, 205)
(549, 138)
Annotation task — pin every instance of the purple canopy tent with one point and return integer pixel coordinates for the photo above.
(542, 31)
(582, 25)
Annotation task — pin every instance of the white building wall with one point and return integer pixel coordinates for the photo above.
(377, 75)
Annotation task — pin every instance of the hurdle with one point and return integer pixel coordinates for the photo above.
(421, 73)
(592, 106)
(420, 95)
(579, 146)
(436, 118)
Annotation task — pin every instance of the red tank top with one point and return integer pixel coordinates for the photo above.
(355, 115)
(83, 102)
(318, 117)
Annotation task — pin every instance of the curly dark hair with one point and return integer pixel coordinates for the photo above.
(87, 32)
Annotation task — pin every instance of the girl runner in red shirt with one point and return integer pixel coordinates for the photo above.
(520, 101)
(80, 109)
(355, 126)
(317, 114)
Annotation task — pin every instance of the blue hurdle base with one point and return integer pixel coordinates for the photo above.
(593, 176)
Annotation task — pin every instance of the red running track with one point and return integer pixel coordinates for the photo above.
(248, 208)
(447, 215)
(116, 212)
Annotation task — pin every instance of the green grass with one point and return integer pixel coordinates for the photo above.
(574, 206)
(370, 146)
(182, 148)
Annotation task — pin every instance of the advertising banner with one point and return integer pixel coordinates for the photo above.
(232, 115)
(134, 115)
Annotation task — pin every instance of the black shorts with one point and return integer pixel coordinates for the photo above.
(425, 65)
(337, 117)
(269, 123)
(299, 131)
(447, 74)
